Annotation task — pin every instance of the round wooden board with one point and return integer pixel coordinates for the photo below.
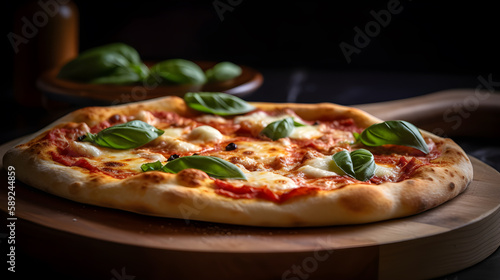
(98, 243)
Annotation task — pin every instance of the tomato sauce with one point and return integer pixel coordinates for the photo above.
(249, 192)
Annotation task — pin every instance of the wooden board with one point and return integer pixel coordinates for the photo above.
(71, 237)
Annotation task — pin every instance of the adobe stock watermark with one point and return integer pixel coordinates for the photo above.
(139, 92)
(363, 37)
(122, 275)
(456, 114)
(194, 208)
(39, 19)
(310, 264)
(223, 6)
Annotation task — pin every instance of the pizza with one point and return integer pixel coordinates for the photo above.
(214, 157)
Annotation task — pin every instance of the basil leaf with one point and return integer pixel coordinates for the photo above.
(152, 166)
(213, 166)
(178, 71)
(343, 161)
(394, 132)
(101, 64)
(223, 71)
(128, 135)
(217, 103)
(279, 129)
(126, 51)
(119, 76)
(359, 164)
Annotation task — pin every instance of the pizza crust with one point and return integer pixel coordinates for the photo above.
(189, 194)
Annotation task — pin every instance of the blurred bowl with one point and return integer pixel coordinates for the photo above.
(100, 94)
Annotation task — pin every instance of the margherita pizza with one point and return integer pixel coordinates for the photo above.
(214, 157)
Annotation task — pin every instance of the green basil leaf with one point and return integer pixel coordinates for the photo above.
(359, 164)
(297, 124)
(364, 164)
(120, 76)
(87, 68)
(152, 166)
(178, 71)
(128, 135)
(113, 63)
(217, 103)
(394, 132)
(279, 129)
(223, 71)
(124, 50)
(213, 166)
(343, 161)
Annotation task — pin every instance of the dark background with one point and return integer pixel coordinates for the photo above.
(457, 38)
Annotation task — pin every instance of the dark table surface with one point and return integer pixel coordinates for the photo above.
(305, 86)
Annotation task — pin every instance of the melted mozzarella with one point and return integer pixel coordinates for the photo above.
(173, 139)
(146, 117)
(306, 132)
(259, 120)
(263, 152)
(315, 172)
(386, 171)
(211, 118)
(270, 180)
(319, 167)
(127, 160)
(204, 134)
(174, 132)
(170, 143)
(85, 148)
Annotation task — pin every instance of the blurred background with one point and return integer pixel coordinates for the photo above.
(449, 43)
(353, 52)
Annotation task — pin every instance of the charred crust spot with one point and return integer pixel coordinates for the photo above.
(153, 177)
(114, 164)
(410, 182)
(191, 177)
(451, 186)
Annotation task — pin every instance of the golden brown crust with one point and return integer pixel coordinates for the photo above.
(189, 194)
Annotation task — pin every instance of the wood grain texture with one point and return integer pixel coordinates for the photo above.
(454, 112)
